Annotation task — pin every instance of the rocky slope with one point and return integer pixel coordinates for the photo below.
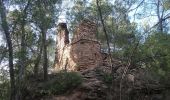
(96, 85)
(92, 88)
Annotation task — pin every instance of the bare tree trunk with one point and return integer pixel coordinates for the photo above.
(10, 49)
(160, 16)
(105, 32)
(22, 62)
(22, 58)
(45, 60)
(37, 61)
(108, 45)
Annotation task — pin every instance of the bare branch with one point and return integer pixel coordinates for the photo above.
(137, 6)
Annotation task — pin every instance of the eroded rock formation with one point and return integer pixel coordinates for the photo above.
(84, 50)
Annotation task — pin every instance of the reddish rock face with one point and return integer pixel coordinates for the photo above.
(84, 50)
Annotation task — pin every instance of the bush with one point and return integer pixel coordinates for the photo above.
(4, 90)
(57, 84)
(63, 82)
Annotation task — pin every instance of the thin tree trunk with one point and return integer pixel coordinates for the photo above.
(10, 49)
(23, 54)
(37, 62)
(23, 42)
(108, 45)
(22, 62)
(160, 17)
(45, 60)
(105, 32)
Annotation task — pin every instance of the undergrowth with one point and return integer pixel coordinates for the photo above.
(57, 84)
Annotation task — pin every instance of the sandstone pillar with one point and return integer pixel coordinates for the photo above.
(62, 40)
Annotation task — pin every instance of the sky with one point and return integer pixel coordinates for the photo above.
(66, 4)
(1, 38)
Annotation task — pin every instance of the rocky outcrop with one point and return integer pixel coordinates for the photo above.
(92, 88)
(84, 50)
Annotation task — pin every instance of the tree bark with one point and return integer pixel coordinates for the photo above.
(105, 32)
(22, 58)
(108, 45)
(45, 60)
(5, 27)
(160, 17)
(38, 61)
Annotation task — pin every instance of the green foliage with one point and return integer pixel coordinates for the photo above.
(44, 13)
(57, 84)
(166, 4)
(65, 82)
(3, 53)
(107, 78)
(159, 50)
(4, 90)
(153, 54)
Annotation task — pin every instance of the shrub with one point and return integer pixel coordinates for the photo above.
(63, 82)
(57, 84)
